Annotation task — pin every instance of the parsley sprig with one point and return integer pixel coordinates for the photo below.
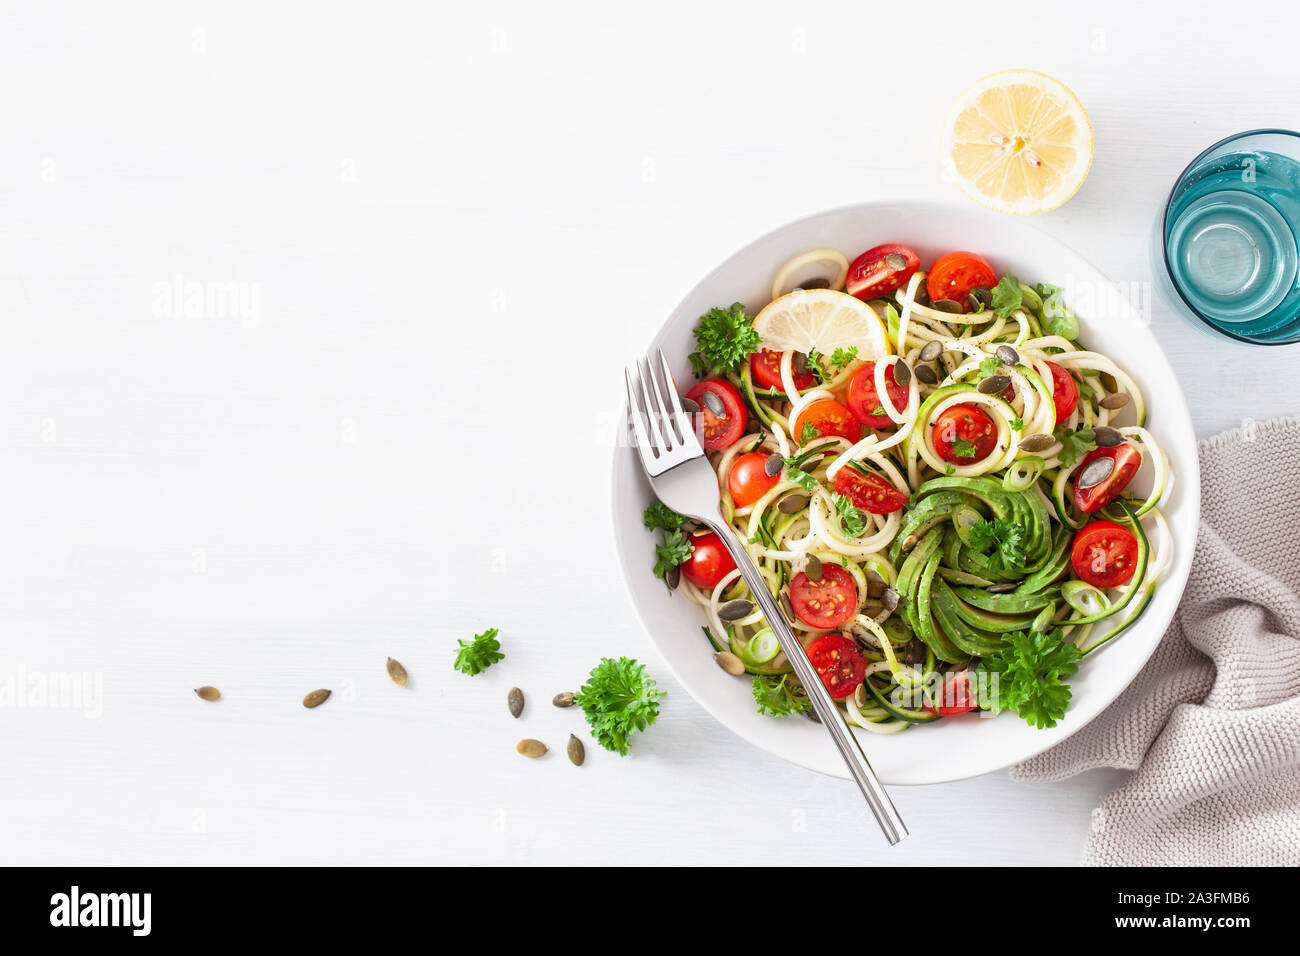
(724, 339)
(850, 517)
(476, 656)
(677, 547)
(1029, 671)
(619, 699)
(779, 696)
(1003, 540)
(1007, 296)
(1074, 445)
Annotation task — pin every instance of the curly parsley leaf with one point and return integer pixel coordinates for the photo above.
(964, 448)
(800, 477)
(659, 515)
(1074, 445)
(815, 365)
(1018, 424)
(724, 338)
(988, 368)
(675, 551)
(619, 699)
(808, 433)
(1007, 296)
(476, 656)
(1003, 540)
(850, 517)
(1028, 676)
(778, 696)
(841, 358)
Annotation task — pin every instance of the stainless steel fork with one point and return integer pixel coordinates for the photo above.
(685, 481)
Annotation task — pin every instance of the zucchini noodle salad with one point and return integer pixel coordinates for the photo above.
(935, 478)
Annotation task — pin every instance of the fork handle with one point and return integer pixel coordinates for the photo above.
(877, 799)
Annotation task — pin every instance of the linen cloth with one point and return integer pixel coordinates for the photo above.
(1211, 726)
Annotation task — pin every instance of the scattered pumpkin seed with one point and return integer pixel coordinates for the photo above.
(791, 504)
(1114, 401)
(673, 577)
(896, 261)
(931, 351)
(914, 652)
(397, 673)
(207, 692)
(902, 373)
(922, 294)
(690, 405)
(1032, 443)
(531, 748)
(994, 384)
(786, 609)
(889, 599)
(983, 295)
(730, 663)
(1005, 587)
(951, 306)
(714, 405)
(909, 542)
(927, 375)
(316, 698)
(564, 699)
(772, 467)
(860, 696)
(875, 585)
(1097, 471)
(577, 753)
(735, 610)
(1107, 437)
(871, 607)
(1007, 355)
(515, 701)
(976, 303)
(813, 568)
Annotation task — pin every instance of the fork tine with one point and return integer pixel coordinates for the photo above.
(654, 412)
(671, 438)
(635, 417)
(685, 427)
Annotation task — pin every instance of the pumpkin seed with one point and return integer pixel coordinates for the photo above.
(896, 261)
(976, 303)
(577, 752)
(714, 405)
(1114, 401)
(860, 696)
(909, 543)
(1038, 442)
(799, 363)
(902, 374)
(994, 384)
(813, 568)
(730, 663)
(816, 283)
(735, 610)
(791, 504)
(871, 607)
(316, 698)
(1096, 472)
(1006, 587)
(690, 405)
(772, 467)
(914, 652)
(515, 701)
(564, 699)
(922, 295)
(889, 599)
(397, 672)
(1107, 437)
(931, 351)
(673, 577)
(875, 585)
(208, 693)
(981, 296)
(531, 748)
(927, 375)
(1007, 355)
(786, 609)
(951, 306)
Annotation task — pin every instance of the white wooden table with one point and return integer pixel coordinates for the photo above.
(311, 332)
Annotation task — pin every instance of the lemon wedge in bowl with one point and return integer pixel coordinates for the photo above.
(824, 320)
(1018, 142)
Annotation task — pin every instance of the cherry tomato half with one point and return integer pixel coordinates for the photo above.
(765, 367)
(826, 603)
(869, 492)
(1127, 461)
(830, 418)
(963, 435)
(864, 402)
(748, 479)
(880, 271)
(1104, 554)
(709, 563)
(719, 432)
(839, 662)
(956, 696)
(954, 275)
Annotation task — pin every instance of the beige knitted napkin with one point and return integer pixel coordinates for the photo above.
(1211, 726)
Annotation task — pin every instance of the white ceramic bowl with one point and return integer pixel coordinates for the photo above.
(955, 748)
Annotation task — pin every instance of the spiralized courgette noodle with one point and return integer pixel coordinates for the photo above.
(944, 618)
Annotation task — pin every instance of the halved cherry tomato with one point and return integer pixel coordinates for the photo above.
(765, 367)
(839, 662)
(864, 402)
(955, 695)
(954, 275)
(874, 274)
(869, 492)
(1127, 462)
(830, 418)
(748, 479)
(715, 432)
(1104, 554)
(709, 563)
(1065, 393)
(826, 603)
(963, 435)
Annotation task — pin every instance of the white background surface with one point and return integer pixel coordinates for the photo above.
(455, 226)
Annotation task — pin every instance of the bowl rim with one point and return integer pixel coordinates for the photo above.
(1189, 502)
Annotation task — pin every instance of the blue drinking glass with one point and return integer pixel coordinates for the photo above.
(1230, 236)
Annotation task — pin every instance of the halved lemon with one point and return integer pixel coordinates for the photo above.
(1018, 142)
(825, 320)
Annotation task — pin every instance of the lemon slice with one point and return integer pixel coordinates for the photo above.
(825, 320)
(1018, 142)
